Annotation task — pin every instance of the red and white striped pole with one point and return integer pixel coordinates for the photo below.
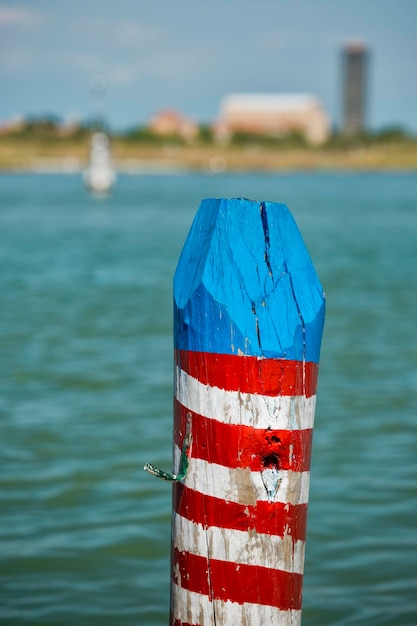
(249, 314)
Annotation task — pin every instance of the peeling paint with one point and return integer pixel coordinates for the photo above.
(246, 492)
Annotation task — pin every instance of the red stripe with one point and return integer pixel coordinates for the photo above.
(236, 445)
(222, 580)
(271, 518)
(249, 374)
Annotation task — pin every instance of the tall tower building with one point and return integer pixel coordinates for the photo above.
(355, 83)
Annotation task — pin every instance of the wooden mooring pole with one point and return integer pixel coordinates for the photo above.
(248, 321)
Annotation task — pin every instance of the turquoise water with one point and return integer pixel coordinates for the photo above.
(86, 394)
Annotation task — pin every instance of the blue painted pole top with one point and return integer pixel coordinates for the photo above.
(245, 284)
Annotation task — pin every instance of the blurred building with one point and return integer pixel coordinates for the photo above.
(15, 124)
(171, 123)
(355, 87)
(272, 114)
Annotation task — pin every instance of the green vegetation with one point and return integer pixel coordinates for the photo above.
(50, 127)
(288, 140)
(46, 128)
(389, 135)
(206, 134)
(45, 140)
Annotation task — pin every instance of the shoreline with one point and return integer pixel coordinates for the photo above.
(60, 169)
(132, 158)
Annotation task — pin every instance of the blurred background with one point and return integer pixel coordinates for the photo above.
(116, 119)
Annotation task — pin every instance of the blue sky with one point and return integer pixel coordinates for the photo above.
(187, 54)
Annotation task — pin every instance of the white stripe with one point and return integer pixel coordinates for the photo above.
(249, 409)
(194, 608)
(240, 484)
(240, 547)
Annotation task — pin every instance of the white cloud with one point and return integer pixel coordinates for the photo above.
(98, 65)
(120, 32)
(133, 33)
(84, 61)
(174, 66)
(121, 75)
(95, 66)
(12, 16)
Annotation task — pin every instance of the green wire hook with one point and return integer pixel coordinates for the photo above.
(184, 459)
